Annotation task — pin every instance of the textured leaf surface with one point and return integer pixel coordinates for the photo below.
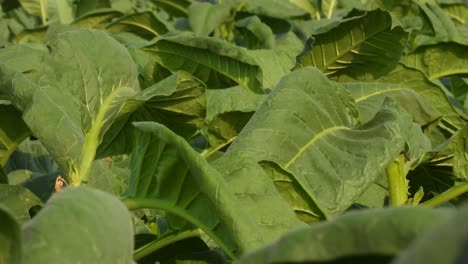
(367, 45)
(317, 138)
(77, 215)
(10, 237)
(438, 61)
(204, 18)
(217, 63)
(355, 235)
(18, 200)
(370, 96)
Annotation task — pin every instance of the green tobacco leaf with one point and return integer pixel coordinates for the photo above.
(18, 200)
(97, 18)
(276, 63)
(81, 90)
(425, 249)
(13, 130)
(85, 7)
(204, 18)
(177, 8)
(457, 11)
(110, 176)
(370, 96)
(84, 218)
(385, 234)
(144, 24)
(366, 46)
(168, 174)
(10, 237)
(443, 27)
(228, 110)
(460, 158)
(271, 8)
(255, 34)
(58, 10)
(218, 63)
(416, 81)
(177, 102)
(438, 61)
(317, 138)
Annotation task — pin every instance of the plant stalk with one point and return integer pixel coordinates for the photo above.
(446, 196)
(43, 4)
(165, 241)
(397, 185)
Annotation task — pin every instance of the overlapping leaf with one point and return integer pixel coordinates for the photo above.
(217, 63)
(367, 45)
(318, 140)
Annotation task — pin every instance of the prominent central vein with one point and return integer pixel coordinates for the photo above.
(312, 142)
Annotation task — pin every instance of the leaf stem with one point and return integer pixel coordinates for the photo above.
(43, 4)
(330, 10)
(138, 203)
(446, 196)
(397, 185)
(165, 241)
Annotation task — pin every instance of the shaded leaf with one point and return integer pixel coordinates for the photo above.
(18, 200)
(144, 24)
(177, 8)
(217, 63)
(255, 34)
(13, 130)
(204, 17)
(10, 237)
(77, 215)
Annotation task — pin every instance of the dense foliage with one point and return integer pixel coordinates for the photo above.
(143, 131)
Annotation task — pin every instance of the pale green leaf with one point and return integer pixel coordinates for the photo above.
(10, 237)
(18, 200)
(79, 218)
(204, 18)
(318, 140)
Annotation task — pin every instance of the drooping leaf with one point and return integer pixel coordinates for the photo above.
(85, 7)
(96, 19)
(438, 61)
(177, 102)
(366, 46)
(370, 96)
(76, 218)
(271, 8)
(452, 232)
(10, 237)
(144, 24)
(204, 17)
(217, 63)
(168, 174)
(318, 140)
(255, 34)
(13, 130)
(416, 81)
(460, 157)
(18, 200)
(369, 236)
(228, 110)
(443, 27)
(177, 8)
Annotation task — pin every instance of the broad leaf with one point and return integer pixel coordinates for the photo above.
(255, 34)
(271, 8)
(58, 10)
(217, 63)
(168, 174)
(204, 18)
(96, 19)
(427, 249)
(460, 158)
(370, 96)
(416, 81)
(318, 140)
(370, 236)
(18, 200)
(13, 130)
(175, 8)
(10, 237)
(438, 61)
(73, 219)
(367, 45)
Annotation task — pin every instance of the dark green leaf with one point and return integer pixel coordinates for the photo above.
(18, 200)
(10, 237)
